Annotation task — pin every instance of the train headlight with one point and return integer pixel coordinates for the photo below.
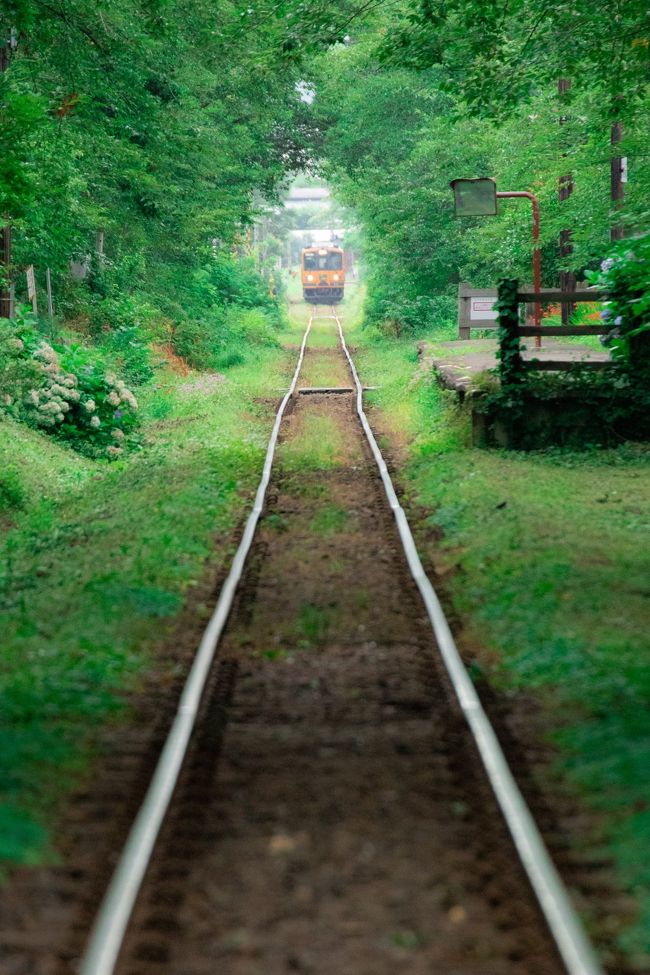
(335, 277)
(310, 277)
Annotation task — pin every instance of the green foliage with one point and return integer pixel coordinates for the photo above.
(162, 132)
(224, 338)
(397, 130)
(583, 408)
(65, 390)
(127, 347)
(498, 57)
(12, 494)
(625, 278)
(511, 369)
(228, 312)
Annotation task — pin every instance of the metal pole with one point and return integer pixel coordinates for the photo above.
(537, 255)
(617, 182)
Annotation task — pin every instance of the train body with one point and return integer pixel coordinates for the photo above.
(323, 274)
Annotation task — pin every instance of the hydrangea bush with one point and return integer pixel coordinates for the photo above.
(625, 278)
(65, 391)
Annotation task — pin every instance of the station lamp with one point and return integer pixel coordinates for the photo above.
(475, 197)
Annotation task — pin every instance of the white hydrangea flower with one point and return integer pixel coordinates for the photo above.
(17, 344)
(47, 421)
(113, 399)
(46, 353)
(74, 395)
(95, 422)
(59, 390)
(70, 380)
(117, 434)
(65, 407)
(129, 398)
(113, 451)
(90, 405)
(33, 397)
(6, 399)
(60, 417)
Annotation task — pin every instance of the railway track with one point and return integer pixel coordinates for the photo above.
(331, 796)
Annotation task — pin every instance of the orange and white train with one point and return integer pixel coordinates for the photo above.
(323, 275)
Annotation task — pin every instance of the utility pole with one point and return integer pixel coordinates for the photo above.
(618, 180)
(565, 189)
(5, 232)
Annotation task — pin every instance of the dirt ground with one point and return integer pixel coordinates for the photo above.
(333, 816)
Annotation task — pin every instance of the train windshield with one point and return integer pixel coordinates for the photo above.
(325, 261)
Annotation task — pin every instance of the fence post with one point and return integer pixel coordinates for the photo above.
(48, 281)
(511, 365)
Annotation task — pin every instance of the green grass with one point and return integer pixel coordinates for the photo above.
(323, 335)
(324, 370)
(96, 561)
(329, 520)
(552, 556)
(313, 624)
(318, 445)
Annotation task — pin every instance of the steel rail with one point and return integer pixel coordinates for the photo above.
(107, 936)
(565, 926)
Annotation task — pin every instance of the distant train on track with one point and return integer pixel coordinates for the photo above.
(323, 274)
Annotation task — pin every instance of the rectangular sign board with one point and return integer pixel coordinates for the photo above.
(481, 309)
(475, 309)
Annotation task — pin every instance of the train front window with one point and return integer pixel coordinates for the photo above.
(326, 261)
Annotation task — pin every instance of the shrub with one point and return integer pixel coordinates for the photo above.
(132, 356)
(221, 340)
(66, 392)
(12, 493)
(625, 277)
(395, 315)
(200, 342)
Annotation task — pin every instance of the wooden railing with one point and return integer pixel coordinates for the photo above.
(512, 367)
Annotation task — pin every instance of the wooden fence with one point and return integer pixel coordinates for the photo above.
(513, 367)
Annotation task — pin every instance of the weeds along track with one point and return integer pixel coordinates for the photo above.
(332, 798)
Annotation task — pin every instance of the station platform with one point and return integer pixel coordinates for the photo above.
(457, 364)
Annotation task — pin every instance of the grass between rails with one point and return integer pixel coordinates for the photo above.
(96, 558)
(551, 551)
